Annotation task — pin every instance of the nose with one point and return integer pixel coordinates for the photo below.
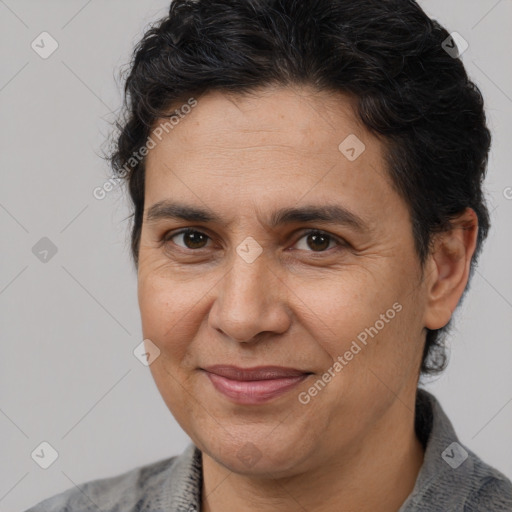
(251, 299)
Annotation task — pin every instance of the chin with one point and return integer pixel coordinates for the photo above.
(256, 454)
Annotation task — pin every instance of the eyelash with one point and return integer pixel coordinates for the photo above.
(167, 237)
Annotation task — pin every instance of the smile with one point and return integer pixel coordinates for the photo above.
(254, 386)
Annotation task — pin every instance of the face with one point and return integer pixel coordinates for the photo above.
(336, 297)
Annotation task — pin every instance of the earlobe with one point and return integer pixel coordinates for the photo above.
(448, 266)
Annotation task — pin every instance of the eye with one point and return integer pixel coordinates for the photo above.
(319, 240)
(193, 239)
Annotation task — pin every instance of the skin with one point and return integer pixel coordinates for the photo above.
(299, 304)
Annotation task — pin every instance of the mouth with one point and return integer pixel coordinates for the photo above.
(255, 385)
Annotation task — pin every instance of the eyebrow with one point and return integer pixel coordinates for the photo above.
(332, 214)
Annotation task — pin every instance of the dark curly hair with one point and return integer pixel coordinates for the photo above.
(388, 54)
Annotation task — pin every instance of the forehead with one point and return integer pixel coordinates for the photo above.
(278, 144)
(300, 118)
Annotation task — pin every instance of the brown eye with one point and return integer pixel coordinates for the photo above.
(191, 239)
(318, 241)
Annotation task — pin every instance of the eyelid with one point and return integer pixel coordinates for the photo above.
(166, 237)
(340, 242)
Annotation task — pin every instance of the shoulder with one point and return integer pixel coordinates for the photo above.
(490, 489)
(452, 476)
(152, 487)
(118, 493)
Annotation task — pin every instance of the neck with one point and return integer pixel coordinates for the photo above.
(377, 472)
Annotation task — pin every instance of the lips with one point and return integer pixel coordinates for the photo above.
(254, 385)
(255, 373)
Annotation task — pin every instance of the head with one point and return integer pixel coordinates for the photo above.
(244, 111)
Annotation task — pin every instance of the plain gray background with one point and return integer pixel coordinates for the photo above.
(69, 325)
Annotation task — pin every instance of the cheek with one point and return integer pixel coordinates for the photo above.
(166, 311)
(370, 321)
(337, 310)
(153, 304)
(173, 309)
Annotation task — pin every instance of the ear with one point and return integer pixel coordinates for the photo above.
(448, 268)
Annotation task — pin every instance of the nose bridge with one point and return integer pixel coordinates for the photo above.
(247, 302)
(249, 258)
(247, 281)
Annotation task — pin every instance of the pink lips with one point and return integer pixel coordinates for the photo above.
(253, 385)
